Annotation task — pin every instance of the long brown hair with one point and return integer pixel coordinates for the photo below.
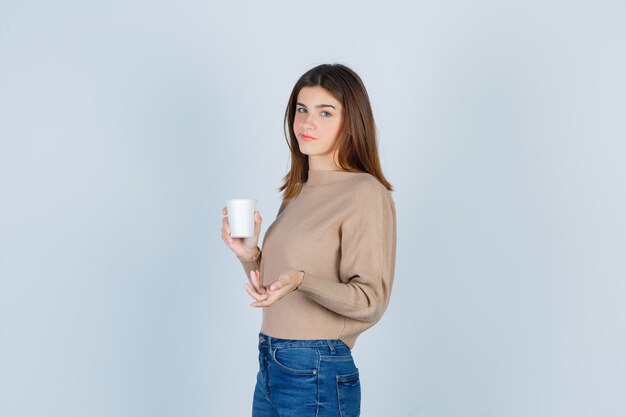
(357, 149)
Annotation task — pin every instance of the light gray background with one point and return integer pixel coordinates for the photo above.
(125, 125)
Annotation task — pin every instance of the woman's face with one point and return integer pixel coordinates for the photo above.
(317, 123)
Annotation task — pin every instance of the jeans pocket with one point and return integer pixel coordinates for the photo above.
(349, 394)
(297, 361)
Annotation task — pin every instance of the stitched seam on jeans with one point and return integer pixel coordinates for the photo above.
(303, 372)
(319, 365)
(342, 358)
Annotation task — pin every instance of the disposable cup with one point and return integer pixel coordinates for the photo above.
(241, 217)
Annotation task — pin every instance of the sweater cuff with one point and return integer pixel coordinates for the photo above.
(251, 264)
(253, 259)
(308, 286)
(301, 274)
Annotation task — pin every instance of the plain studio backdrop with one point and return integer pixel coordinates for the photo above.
(126, 125)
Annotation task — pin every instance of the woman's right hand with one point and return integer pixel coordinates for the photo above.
(243, 247)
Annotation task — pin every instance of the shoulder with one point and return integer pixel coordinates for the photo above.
(365, 190)
(368, 185)
(368, 203)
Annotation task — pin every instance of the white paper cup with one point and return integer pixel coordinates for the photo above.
(241, 217)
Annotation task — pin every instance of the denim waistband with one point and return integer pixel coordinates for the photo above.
(269, 341)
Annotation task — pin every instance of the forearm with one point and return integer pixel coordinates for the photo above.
(251, 261)
(357, 299)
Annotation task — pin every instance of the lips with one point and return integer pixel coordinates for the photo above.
(307, 138)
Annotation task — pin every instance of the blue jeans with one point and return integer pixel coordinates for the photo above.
(306, 378)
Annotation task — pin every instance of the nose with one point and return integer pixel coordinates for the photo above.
(307, 123)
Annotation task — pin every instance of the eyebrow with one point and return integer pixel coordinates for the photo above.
(318, 106)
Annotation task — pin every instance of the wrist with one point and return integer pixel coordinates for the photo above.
(251, 255)
(298, 277)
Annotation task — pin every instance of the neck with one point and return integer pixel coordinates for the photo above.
(327, 176)
(317, 163)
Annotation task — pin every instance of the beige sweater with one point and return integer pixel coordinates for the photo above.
(340, 231)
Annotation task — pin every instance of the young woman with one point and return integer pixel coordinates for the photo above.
(325, 271)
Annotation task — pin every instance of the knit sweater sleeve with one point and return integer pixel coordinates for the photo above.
(254, 264)
(367, 264)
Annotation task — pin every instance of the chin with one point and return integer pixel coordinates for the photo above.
(303, 149)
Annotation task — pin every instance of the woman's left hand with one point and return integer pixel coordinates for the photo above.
(265, 296)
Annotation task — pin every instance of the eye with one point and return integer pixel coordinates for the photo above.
(300, 108)
(326, 114)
